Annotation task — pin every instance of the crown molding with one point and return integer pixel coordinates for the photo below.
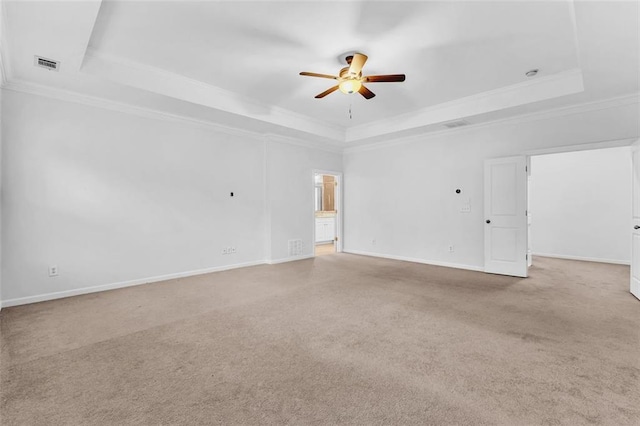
(174, 85)
(96, 102)
(534, 90)
(178, 86)
(125, 108)
(615, 102)
(92, 101)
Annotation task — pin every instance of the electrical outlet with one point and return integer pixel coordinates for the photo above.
(224, 251)
(53, 271)
(466, 208)
(233, 249)
(451, 248)
(373, 242)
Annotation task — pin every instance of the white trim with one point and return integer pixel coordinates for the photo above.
(125, 108)
(123, 284)
(266, 197)
(332, 146)
(122, 107)
(615, 102)
(290, 259)
(582, 258)
(339, 226)
(529, 91)
(416, 260)
(153, 114)
(161, 81)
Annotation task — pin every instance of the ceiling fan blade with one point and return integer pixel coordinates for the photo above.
(391, 78)
(326, 92)
(368, 94)
(313, 74)
(357, 62)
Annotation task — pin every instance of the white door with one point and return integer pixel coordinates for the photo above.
(505, 215)
(635, 232)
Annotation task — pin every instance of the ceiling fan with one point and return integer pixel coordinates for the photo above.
(351, 79)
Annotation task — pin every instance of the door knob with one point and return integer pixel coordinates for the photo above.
(488, 221)
(636, 227)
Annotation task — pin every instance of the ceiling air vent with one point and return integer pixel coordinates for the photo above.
(49, 64)
(454, 124)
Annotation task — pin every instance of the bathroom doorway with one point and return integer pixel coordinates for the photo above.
(326, 218)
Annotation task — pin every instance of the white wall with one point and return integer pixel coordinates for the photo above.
(112, 198)
(403, 195)
(1, 190)
(291, 201)
(581, 205)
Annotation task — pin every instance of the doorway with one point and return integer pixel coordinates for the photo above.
(326, 219)
(579, 205)
(585, 193)
(570, 204)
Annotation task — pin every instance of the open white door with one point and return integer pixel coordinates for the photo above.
(505, 209)
(635, 232)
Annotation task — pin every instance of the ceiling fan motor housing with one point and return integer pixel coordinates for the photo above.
(344, 74)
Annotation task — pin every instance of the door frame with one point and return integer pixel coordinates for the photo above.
(612, 143)
(338, 205)
(634, 281)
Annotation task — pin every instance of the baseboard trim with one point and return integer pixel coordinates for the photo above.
(416, 260)
(95, 289)
(289, 259)
(584, 259)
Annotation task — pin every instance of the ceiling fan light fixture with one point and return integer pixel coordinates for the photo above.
(350, 86)
(350, 79)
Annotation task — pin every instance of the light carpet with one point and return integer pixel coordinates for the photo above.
(339, 339)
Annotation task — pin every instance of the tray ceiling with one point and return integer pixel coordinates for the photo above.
(462, 59)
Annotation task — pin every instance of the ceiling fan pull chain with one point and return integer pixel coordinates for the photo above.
(350, 116)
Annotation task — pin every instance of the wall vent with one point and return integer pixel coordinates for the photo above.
(295, 247)
(457, 123)
(45, 63)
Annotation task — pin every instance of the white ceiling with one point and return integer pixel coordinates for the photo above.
(238, 62)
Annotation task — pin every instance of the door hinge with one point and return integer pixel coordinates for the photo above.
(526, 212)
(336, 238)
(526, 257)
(526, 168)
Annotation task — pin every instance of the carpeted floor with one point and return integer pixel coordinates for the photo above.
(340, 339)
